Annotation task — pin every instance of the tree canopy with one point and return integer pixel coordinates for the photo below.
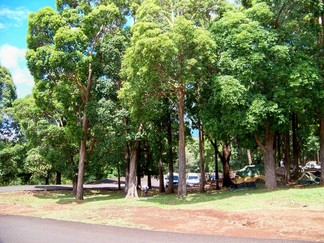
(113, 98)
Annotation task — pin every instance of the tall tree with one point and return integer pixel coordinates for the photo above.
(261, 50)
(64, 48)
(166, 56)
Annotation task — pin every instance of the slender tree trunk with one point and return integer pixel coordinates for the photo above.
(296, 147)
(214, 144)
(202, 158)
(268, 157)
(127, 165)
(322, 149)
(227, 182)
(47, 178)
(74, 184)
(161, 176)
(287, 154)
(148, 166)
(248, 152)
(132, 187)
(182, 188)
(118, 176)
(216, 165)
(82, 157)
(170, 188)
(83, 146)
(58, 178)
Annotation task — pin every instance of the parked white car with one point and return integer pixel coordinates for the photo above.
(192, 179)
(175, 179)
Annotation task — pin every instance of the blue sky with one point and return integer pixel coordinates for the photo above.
(13, 46)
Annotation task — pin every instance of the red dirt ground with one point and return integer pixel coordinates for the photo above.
(292, 224)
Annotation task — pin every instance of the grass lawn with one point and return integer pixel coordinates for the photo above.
(285, 213)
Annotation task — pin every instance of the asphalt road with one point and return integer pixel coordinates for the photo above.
(20, 229)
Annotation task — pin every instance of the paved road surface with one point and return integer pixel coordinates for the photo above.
(20, 229)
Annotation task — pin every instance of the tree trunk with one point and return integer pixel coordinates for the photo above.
(321, 152)
(286, 157)
(58, 178)
(214, 144)
(127, 165)
(170, 188)
(148, 166)
(161, 176)
(216, 167)
(83, 146)
(227, 182)
(132, 187)
(118, 176)
(74, 184)
(202, 158)
(268, 157)
(296, 147)
(47, 178)
(249, 156)
(182, 187)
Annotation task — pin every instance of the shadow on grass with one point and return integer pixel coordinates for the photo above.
(67, 196)
(156, 198)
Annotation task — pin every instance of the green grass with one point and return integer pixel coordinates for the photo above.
(62, 205)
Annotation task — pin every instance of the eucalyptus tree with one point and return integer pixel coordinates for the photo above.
(166, 57)
(64, 49)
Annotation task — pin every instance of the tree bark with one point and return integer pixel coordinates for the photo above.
(127, 164)
(225, 158)
(248, 152)
(286, 157)
(182, 187)
(296, 147)
(83, 146)
(321, 152)
(202, 158)
(170, 188)
(161, 176)
(148, 156)
(82, 157)
(58, 178)
(132, 187)
(268, 157)
(214, 144)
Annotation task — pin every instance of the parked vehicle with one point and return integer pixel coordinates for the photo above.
(312, 165)
(192, 179)
(175, 179)
(249, 174)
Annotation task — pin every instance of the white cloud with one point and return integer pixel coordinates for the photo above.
(2, 26)
(13, 58)
(22, 76)
(13, 17)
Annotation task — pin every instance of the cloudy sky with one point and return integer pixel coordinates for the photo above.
(13, 46)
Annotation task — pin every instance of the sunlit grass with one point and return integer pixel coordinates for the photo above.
(62, 204)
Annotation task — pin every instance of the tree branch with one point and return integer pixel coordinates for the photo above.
(259, 142)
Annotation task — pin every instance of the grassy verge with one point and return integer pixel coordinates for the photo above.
(240, 200)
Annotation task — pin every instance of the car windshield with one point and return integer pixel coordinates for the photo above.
(175, 177)
(193, 177)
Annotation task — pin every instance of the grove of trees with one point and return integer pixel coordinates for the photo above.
(120, 86)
